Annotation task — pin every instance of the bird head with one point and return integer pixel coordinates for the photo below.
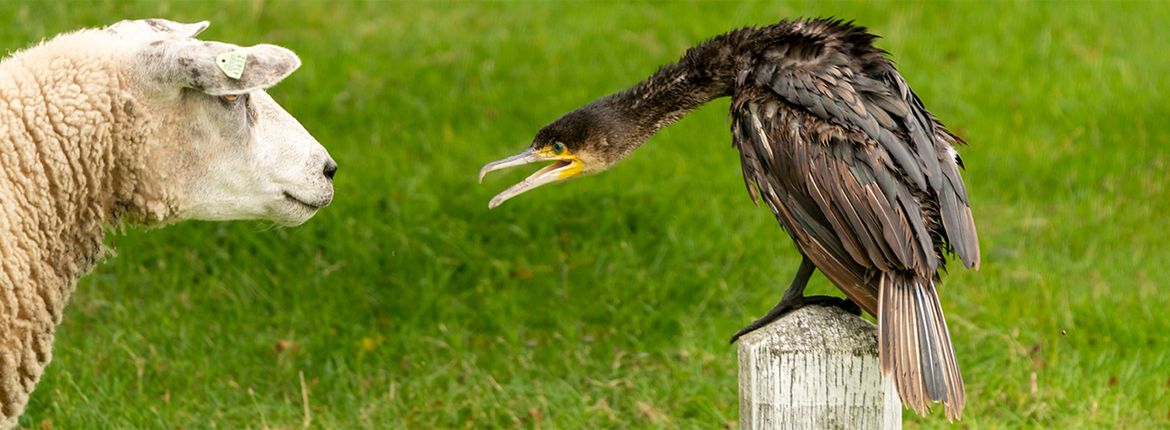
(584, 141)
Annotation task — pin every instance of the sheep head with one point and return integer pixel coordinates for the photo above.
(219, 145)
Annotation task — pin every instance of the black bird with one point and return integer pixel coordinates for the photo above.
(832, 139)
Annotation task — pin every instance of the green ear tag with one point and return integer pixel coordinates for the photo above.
(232, 63)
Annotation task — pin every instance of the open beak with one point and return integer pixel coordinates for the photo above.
(563, 167)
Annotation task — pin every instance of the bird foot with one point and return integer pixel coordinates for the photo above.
(785, 306)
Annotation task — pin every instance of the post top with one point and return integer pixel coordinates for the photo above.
(816, 328)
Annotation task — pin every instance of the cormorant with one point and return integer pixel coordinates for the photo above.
(832, 139)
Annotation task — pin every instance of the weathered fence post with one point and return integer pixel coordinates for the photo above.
(815, 368)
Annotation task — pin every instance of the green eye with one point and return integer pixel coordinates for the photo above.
(558, 148)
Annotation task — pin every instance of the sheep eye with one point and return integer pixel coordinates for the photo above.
(558, 148)
(230, 98)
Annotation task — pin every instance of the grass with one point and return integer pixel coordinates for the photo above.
(607, 302)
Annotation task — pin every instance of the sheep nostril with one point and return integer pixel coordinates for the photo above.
(330, 169)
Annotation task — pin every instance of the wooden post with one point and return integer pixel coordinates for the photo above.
(815, 368)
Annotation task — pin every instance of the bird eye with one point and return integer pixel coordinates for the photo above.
(230, 98)
(558, 148)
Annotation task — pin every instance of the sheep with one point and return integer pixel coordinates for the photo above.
(136, 123)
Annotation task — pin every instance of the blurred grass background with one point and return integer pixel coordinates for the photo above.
(608, 302)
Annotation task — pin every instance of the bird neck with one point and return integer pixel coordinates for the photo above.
(706, 72)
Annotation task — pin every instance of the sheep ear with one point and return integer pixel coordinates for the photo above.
(222, 69)
(177, 28)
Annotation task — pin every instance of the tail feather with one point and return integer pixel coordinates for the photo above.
(915, 345)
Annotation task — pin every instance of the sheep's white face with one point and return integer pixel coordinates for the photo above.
(247, 158)
(224, 149)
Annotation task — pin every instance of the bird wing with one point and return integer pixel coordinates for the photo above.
(869, 136)
(838, 200)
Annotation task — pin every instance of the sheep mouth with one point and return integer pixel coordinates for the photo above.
(311, 206)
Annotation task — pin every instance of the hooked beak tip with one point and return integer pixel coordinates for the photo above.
(496, 202)
(515, 160)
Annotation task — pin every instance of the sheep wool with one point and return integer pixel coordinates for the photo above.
(70, 158)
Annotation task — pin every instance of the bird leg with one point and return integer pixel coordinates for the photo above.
(795, 299)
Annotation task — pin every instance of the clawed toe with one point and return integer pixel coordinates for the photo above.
(772, 315)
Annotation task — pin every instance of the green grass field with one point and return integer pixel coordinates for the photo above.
(607, 302)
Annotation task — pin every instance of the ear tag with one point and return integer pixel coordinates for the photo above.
(232, 63)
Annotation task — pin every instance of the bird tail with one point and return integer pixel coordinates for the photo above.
(915, 346)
